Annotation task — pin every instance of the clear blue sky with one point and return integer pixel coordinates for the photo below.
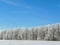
(28, 13)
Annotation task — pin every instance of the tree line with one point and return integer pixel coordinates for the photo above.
(48, 33)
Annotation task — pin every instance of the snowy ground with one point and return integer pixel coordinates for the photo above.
(24, 42)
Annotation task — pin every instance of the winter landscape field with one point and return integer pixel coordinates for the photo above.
(29, 22)
(28, 42)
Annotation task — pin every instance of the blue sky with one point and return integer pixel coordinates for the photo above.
(28, 13)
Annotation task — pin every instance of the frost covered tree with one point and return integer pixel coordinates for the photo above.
(24, 33)
(41, 33)
(30, 34)
(50, 33)
(57, 32)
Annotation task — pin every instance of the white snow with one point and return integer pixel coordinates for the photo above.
(27, 42)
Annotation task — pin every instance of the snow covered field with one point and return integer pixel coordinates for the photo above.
(24, 42)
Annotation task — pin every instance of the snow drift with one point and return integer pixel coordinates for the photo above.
(48, 32)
